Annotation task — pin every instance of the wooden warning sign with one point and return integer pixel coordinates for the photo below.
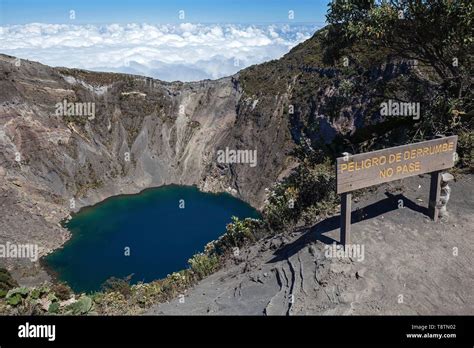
(372, 168)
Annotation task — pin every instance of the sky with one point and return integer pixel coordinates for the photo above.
(183, 40)
(161, 11)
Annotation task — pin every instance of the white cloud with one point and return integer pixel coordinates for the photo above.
(184, 51)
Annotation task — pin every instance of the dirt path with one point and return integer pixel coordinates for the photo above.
(410, 264)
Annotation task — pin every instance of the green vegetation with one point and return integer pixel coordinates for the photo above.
(437, 35)
(203, 264)
(82, 306)
(43, 300)
(6, 282)
(306, 195)
(83, 188)
(363, 58)
(118, 296)
(430, 31)
(238, 234)
(121, 286)
(15, 296)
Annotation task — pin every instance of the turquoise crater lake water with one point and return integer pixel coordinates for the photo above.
(161, 235)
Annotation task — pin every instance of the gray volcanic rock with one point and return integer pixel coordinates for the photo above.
(145, 133)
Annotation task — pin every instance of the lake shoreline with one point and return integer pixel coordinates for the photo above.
(55, 275)
(84, 208)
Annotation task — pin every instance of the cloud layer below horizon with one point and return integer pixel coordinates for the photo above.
(186, 52)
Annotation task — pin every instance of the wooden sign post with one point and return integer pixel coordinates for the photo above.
(372, 168)
(434, 195)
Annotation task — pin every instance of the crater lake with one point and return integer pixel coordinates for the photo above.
(150, 235)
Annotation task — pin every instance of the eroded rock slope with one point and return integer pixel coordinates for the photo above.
(144, 133)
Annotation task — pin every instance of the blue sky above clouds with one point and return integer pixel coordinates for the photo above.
(162, 11)
(214, 39)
